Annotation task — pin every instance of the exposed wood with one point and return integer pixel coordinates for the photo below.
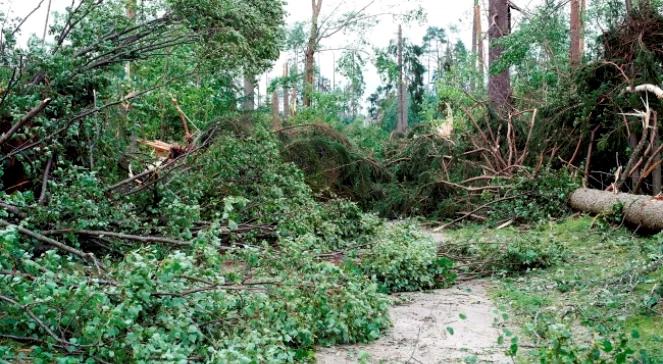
(637, 154)
(647, 88)
(184, 120)
(640, 210)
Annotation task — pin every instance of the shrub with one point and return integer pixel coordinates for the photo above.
(508, 252)
(536, 199)
(403, 259)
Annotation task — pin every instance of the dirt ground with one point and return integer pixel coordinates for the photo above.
(454, 325)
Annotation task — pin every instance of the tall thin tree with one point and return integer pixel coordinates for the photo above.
(401, 125)
(286, 101)
(311, 47)
(477, 41)
(249, 92)
(576, 51)
(499, 84)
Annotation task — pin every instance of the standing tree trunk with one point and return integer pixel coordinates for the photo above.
(477, 41)
(575, 54)
(401, 125)
(499, 85)
(311, 47)
(131, 15)
(293, 101)
(249, 92)
(276, 120)
(629, 7)
(286, 101)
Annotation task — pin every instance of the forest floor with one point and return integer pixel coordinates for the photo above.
(604, 280)
(455, 325)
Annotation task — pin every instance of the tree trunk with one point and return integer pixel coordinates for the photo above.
(249, 92)
(629, 7)
(293, 101)
(311, 47)
(575, 54)
(477, 37)
(401, 125)
(499, 85)
(639, 210)
(474, 29)
(276, 119)
(583, 7)
(131, 15)
(633, 143)
(286, 101)
(481, 55)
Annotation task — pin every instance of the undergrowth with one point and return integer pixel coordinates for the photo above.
(590, 297)
(302, 273)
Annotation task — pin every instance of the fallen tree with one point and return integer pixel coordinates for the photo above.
(645, 211)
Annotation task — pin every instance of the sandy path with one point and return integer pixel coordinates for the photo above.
(455, 325)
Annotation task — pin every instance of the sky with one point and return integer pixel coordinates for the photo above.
(453, 15)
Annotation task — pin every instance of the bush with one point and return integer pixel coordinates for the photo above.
(507, 252)
(403, 259)
(535, 199)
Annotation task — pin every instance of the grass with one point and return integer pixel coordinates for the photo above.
(601, 285)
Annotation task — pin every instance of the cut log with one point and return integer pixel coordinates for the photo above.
(645, 211)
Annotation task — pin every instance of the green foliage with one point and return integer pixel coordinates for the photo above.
(238, 299)
(544, 35)
(535, 199)
(507, 253)
(563, 348)
(402, 259)
(587, 307)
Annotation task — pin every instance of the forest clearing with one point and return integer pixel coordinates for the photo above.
(331, 181)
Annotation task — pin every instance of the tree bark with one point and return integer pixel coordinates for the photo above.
(575, 54)
(629, 7)
(311, 47)
(286, 100)
(639, 210)
(478, 41)
(401, 125)
(249, 92)
(276, 119)
(499, 85)
(480, 50)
